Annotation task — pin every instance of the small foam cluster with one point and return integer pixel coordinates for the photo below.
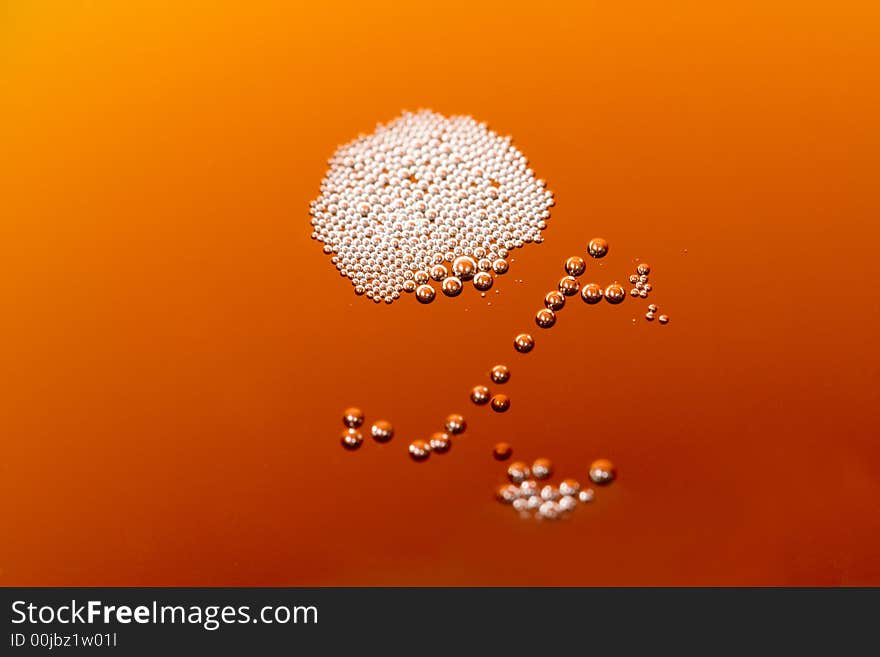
(422, 191)
(528, 493)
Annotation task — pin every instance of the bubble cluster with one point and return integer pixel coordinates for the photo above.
(422, 190)
(542, 501)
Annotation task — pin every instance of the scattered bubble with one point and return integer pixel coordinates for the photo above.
(518, 472)
(500, 266)
(500, 403)
(439, 272)
(649, 316)
(602, 471)
(480, 395)
(500, 374)
(382, 431)
(451, 286)
(464, 267)
(425, 293)
(569, 487)
(502, 451)
(586, 495)
(592, 293)
(567, 503)
(524, 343)
(545, 318)
(597, 248)
(569, 286)
(653, 307)
(663, 319)
(455, 424)
(575, 266)
(419, 450)
(554, 300)
(351, 439)
(439, 442)
(644, 269)
(483, 281)
(615, 293)
(542, 468)
(352, 417)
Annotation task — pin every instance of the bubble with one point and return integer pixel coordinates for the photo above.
(653, 307)
(352, 417)
(615, 293)
(575, 266)
(455, 424)
(500, 266)
(419, 450)
(351, 439)
(500, 374)
(518, 472)
(483, 281)
(545, 318)
(554, 300)
(484, 264)
(529, 488)
(524, 343)
(439, 272)
(649, 316)
(506, 493)
(464, 267)
(549, 510)
(663, 319)
(586, 495)
(421, 277)
(502, 452)
(643, 294)
(569, 487)
(644, 269)
(597, 248)
(634, 292)
(425, 293)
(550, 493)
(439, 442)
(569, 286)
(382, 431)
(451, 286)
(634, 278)
(500, 403)
(567, 503)
(360, 289)
(521, 505)
(542, 468)
(409, 286)
(592, 293)
(480, 395)
(647, 287)
(534, 502)
(602, 471)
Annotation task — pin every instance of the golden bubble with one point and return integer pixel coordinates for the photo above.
(663, 319)
(451, 286)
(602, 471)
(502, 452)
(592, 293)
(615, 293)
(480, 395)
(518, 472)
(352, 417)
(545, 318)
(597, 248)
(500, 403)
(464, 267)
(500, 266)
(554, 300)
(439, 272)
(524, 343)
(542, 468)
(483, 281)
(382, 431)
(569, 286)
(425, 293)
(351, 439)
(644, 269)
(575, 266)
(419, 450)
(440, 442)
(455, 423)
(500, 374)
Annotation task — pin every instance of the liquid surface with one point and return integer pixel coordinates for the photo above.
(175, 347)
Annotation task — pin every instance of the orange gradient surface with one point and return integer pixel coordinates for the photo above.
(176, 352)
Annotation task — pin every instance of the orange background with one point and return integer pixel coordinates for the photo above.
(176, 352)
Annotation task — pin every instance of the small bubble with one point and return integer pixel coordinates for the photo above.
(586, 495)
(500, 374)
(644, 269)
(439, 442)
(455, 424)
(439, 272)
(592, 293)
(451, 286)
(569, 486)
(602, 471)
(419, 450)
(528, 488)
(518, 472)
(567, 503)
(506, 493)
(615, 293)
(500, 403)
(554, 300)
(352, 417)
(425, 293)
(649, 316)
(542, 468)
(597, 248)
(569, 285)
(550, 493)
(421, 277)
(483, 281)
(534, 502)
(480, 395)
(643, 294)
(545, 318)
(647, 287)
(634, 278)
(502, 452)
(500, 266)
(382, 431)
(575, 266)
(634, 292)
(408, 286)
(524, 343)
(549, 510)
(351, 439)
(663, 319)
(653, 307)
(464, 267)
